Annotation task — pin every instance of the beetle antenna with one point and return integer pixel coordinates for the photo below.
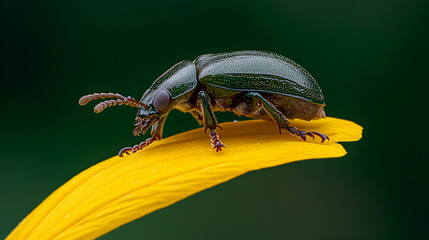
(129, 101)
(88, 98)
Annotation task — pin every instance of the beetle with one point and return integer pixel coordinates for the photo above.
(256, 84)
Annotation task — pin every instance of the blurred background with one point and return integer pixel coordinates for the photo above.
(369, 57)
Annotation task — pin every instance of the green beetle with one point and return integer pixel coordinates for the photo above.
(256, 84)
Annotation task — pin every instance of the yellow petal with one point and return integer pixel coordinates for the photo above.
(120, 190)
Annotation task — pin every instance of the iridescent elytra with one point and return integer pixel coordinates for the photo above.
(256, 84)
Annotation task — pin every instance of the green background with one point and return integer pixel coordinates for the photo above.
(369, 57)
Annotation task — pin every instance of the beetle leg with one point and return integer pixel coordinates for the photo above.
(143, 144)
(210, 121)
(301, 134)
(198, 116)
(280, 119)
(125, 150)
(156, 135)
(215, 141)
(321, 135)
(157, 128)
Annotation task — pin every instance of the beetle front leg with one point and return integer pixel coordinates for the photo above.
(156, 135)
(253, 98)
(210, 122)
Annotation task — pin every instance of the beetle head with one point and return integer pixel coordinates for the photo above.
(157, 103)
(158, 100)
(164, 94)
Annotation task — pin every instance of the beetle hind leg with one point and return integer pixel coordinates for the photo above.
(303, 134)
(253, 99)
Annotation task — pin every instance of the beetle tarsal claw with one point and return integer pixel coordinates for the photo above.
(303, 134)
(124, 150)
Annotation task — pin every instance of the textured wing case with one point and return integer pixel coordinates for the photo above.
(258, 71)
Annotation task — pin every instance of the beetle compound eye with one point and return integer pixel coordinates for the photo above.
(161, 100)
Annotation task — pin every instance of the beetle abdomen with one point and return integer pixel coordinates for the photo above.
(257, 71)
(296, 108)
(290, 107)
